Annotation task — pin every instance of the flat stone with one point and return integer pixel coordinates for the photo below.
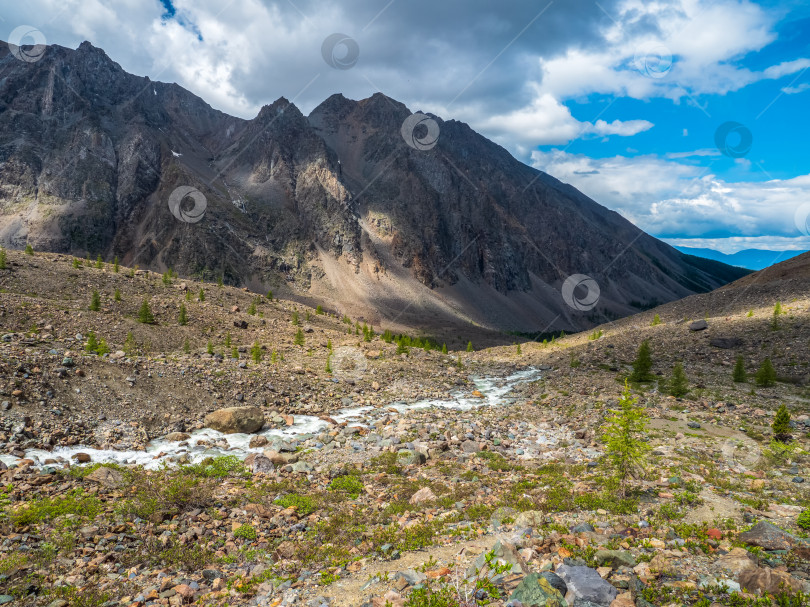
(536, 591)
(423, 495)
(770, 537)
(698, 325)
(615, 558)
(106, 476)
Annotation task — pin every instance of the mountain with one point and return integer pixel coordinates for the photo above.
(752, 259)
(336, 207)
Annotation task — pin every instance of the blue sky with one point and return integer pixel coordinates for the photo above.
(621, 98)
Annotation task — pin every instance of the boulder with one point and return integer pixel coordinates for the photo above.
(259, 463)
(770, 537)
(423, 495)
(556, 581)
(82, 458)
(587, 585)
(536, 591)
(258, 441)
(232, 420)
(735, 561)
(177, 436)
(767, 580)
(615, 558)
(698, 325)
(108, 477)
(726, 343)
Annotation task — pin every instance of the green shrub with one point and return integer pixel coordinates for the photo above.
(656, 320)
(183, 316)
(804, 519)
(256, 352)
(217, 467)
(303, 504)
(145, 314)
(29, 250)
(625, 438)
(299, 338)
(99, 262)
(95, 302)
(766, 375)
(781, 424)
(116, 266)
(117, 295)
(245, 532)
(349, 484)
(642, 366)
(41, 509)
(3, 260)
(678, 384)
(166, 493)
(739, 375)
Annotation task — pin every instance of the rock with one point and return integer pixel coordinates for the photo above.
(185, 591)
(279, 459)
(109, 477)
(233, 420)
(587, 585)
(530, 518)
(240, 324)
(82, 458)
(421, 496)
(735, 562)
(390, 598)
(698, 325)
(177, 437)
(260, 510)
(770, 537)
(694, 425)
(624, 600)
(772, 581)
(259, 463)
(470, 446)
(505, 553)
(727, 343)
(556, 581)
(258, 441)
(615, 558)
(410, 458)
(535, 590)
(582, 528)
(661, 565)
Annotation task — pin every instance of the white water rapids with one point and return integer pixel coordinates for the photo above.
(493, 389)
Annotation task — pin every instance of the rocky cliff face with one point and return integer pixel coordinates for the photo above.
(398, 220)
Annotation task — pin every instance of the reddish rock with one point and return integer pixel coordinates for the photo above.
(714, 534)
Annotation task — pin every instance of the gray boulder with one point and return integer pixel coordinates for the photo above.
(587, 585)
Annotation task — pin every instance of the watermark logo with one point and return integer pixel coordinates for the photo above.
(802, 218)
(348, 363)
(340, 51)
(653, 60)
(420, 131)
(580, 292)
(181, 211)
(733, 139)
(27, 43)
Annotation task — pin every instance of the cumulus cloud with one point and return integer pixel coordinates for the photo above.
(671, 199)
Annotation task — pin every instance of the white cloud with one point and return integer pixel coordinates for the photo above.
(671, 199)
(793, 90)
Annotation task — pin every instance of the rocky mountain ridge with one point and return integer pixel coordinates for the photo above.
(339, 207)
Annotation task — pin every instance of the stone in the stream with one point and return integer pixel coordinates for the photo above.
(233, 420)
(770, 537)
(177, 436)
(536, 591)
(587, 584)
(258, 441)
(82, 458)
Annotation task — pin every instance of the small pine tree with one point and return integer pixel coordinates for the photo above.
(766, 375)
(209, 348)
(624, 439)
(444, 348)
(518, 350)
(678, 383)
(201, 296)
(95, 302)
(642, 366)
(270, 295)
(220, 281)
(402, 347)
(3, 260)
(252, 308)
(750, 313)
(76, 263)
(781, 425)
(167, 277)
(29, 250)
(228, 339)
(319, 309)
(130, 348)
(188, 295)
(777, 309)
(92, 342)
(256, 352)
(459, 364)
(775, 320)
(116, 265)
(145, 314)
(299, 338)
(329, 345)
(117, 295)
(234, 352)
(102, 348)
(469, 346)
(99, 262)
(656, 320)
(183, 317)
(295, 320)
(328, 364)
(186, 347)
(273, 357)
(739, 375)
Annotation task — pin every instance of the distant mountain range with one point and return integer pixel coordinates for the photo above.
(390, 216)
(752, 259)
